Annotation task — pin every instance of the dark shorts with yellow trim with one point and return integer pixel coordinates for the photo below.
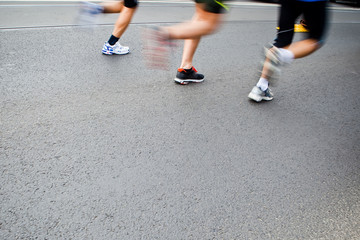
(213, 6)
(130, 3)
(314, 14)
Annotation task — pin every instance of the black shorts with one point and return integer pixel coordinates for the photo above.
(130, 3)
(213, 6)
(315, 16)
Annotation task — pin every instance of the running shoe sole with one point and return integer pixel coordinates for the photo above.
(111, 53)
(187, 81)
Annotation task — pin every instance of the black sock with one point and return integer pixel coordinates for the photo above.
(112, 40)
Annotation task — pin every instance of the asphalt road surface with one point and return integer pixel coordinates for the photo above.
(100, 147)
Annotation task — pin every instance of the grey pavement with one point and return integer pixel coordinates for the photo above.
(100, 147)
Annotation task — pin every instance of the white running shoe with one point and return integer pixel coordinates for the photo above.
(258, 95)
(116, 49)
(88, 13)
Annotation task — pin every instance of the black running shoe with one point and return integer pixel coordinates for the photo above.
(186, 76)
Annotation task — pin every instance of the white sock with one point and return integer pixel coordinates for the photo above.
(263, 84)
(286, 56)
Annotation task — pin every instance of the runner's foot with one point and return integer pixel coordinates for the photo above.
(258, 95)
(186, 76)
(88, 13)
(156, 47)
(115, 49)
